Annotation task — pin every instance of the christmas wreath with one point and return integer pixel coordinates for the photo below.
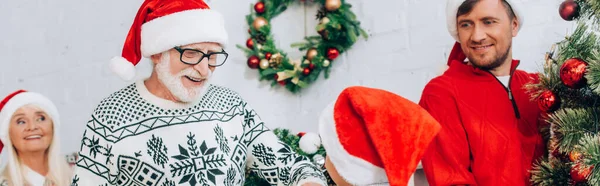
(338, 30)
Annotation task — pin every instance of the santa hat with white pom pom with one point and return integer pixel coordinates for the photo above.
(372, 136)
(163, 24)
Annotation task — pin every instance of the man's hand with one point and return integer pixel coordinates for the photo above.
(311, 184)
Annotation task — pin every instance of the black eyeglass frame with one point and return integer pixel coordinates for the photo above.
(182, 50)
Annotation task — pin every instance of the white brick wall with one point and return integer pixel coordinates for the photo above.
(61, 48)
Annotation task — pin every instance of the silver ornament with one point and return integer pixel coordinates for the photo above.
(319, 160)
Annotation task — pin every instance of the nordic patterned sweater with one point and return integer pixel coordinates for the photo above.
(136, 138)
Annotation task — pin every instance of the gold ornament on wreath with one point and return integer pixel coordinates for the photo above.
(337, 31)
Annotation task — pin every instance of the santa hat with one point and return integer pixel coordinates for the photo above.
(161, 25)
(374, 136)
(14, 101)
(452, 10)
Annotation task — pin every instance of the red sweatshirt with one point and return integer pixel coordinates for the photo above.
(489, 133)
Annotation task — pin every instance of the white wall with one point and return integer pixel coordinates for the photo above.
(61, 48)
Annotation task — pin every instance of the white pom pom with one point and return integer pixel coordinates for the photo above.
(310, 143)
(123, 68)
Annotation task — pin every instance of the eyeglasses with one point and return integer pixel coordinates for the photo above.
(193, 56)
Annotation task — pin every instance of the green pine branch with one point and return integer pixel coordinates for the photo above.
(589, 146)
(589, 10)
(583, 44)
(550, 172)
(570, 125)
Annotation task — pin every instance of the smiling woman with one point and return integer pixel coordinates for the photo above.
(29, 124)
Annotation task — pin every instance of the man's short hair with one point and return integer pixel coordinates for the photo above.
(468, 5)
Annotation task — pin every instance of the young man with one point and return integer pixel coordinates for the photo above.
(489, 124)
(175, 128)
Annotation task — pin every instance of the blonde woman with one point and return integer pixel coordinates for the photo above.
(29, 129)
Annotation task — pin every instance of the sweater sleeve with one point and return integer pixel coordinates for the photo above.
(447, 160)
(95, 164)
(273, 160)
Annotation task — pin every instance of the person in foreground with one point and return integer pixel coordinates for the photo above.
(490, 126)
(29, 129)
(374, 137)
(176, 128)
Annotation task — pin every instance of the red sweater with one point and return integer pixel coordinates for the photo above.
(486, 138)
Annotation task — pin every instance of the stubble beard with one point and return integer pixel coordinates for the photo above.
(497, 62)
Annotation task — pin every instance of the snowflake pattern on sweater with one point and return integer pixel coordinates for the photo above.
(134, 138)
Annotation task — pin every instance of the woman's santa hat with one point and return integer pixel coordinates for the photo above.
(161, 25)
(374, 136)
(452, 10)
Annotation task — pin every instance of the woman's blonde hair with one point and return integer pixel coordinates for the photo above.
(58, 169)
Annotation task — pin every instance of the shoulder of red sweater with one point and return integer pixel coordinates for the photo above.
(439, 84)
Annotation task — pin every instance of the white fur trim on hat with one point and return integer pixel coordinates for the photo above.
(182, 28)
(123, 68)
(354, 170)
(23, 99)
(452, 10)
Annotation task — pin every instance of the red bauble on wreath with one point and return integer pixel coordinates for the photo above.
(306, 71)
(332, 53)
(569, 10)
(548, 102)
(250, 43)
(572, 73)
(253, 62)
(259, 7)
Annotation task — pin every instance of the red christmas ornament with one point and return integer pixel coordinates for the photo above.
(250, 43)
(306, 71)
(1, 146)
(332, 53)
(569, 10)
(548, 102)
(253, 62)
(579, 173)
(300, 134)
(259, 7)
(268, 55)
(311, 66)
(572, 73)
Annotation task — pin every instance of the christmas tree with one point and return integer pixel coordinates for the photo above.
(569, 92)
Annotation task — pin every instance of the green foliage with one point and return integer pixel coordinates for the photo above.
(572, 124)
(550, 172)
(589, 147)
(343, 30)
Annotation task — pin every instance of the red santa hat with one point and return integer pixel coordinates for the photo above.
(163, 24)
(11, 103)
(374, 136)
(452, 10)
